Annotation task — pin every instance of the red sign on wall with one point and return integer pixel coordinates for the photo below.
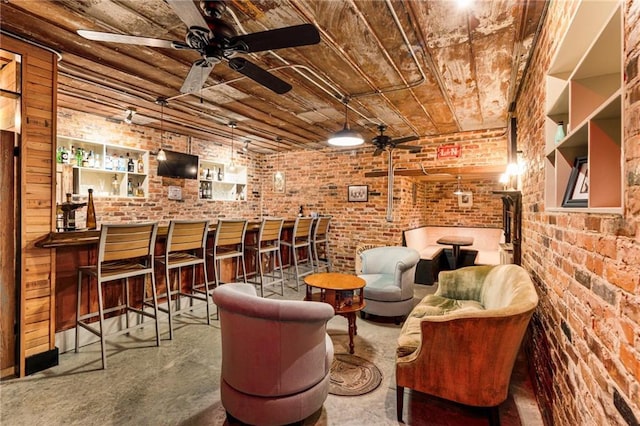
(449, 151)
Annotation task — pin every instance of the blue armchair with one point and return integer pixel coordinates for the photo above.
(389, 273)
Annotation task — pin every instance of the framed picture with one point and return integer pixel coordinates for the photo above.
(577, 192)
(358, 193)
(465, 200)
(278, 182)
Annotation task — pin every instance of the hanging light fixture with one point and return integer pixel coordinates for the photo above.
(162, 101)
(232, 165)
(128, 115)
(346, 136)
(278, 172)
(458, 190)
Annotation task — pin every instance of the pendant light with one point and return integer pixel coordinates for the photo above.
(232, 165)
(346, 136)
(458, 190)
(278, 174)
(162, 101)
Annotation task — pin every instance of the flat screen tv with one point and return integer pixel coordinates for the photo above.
(179, 165)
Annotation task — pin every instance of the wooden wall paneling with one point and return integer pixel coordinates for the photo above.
(8, 299)
(37, 161)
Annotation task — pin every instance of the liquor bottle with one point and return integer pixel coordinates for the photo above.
(139, 190)
(560, 132)
(91, 212)
(108, 162)
(220, 175)
(97, 163)
(73, 159)
(129, 188)
(131, 167)
(70, 223)
(59, 155)
(91, 160)
(140, 164)
(65, 155)
(115, 186)
(122, 165)
(79, 156)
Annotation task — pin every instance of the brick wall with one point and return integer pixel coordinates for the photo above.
(585, 336)
(317, 180)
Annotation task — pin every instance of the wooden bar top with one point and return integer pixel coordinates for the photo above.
(88, 237)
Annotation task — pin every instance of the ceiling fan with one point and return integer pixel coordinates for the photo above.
(383, 142)
(216, 41)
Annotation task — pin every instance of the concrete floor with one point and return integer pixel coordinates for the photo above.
(178, 383)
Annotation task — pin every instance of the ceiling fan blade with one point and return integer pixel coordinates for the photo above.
(259, 75)
(126, 39)
(403, 140)
(280, 38)
(188, 12)
(412, 149)
(198, 74)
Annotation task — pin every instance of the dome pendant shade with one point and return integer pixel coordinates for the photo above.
(346, 136)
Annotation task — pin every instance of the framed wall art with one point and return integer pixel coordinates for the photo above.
(465, 200)
(358, 193)
(577, 192)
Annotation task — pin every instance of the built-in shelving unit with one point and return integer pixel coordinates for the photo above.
(584, 91)
(218, 181)
(105, 168)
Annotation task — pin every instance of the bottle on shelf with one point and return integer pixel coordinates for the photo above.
(65, 155)
(122, 164)
(79, 156)
(129, 188)
(73, 159)
(220, 174)
(131, 167)
(91, 212)
(69, 214)
(91, 160)
(108, 163)
(115, 185)
(560, 134)
(97, 162)
(139, 190)
(140, 164)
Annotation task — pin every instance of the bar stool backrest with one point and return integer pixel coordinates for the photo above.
(230, 231)
(322, 228)
(270, 229)
(127, 241)
(302, 227)
(187, 235)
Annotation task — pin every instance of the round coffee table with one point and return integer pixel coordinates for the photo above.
(342, 291)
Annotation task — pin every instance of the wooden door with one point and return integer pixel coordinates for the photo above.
(7, 256)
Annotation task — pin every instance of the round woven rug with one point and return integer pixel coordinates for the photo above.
(352, 375)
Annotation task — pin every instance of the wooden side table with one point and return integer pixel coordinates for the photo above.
(342, 291)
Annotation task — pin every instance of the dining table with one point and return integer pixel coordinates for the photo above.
(455, 242)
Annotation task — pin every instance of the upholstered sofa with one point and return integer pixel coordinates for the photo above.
(276, 356)
(461, 342)
(389, 273)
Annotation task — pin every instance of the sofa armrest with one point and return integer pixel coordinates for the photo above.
(386, 260)
(463, 283)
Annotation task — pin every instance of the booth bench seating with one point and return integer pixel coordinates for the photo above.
(485, 249)
(461, 342)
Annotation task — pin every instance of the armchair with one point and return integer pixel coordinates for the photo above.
(389, 273)
(461, 342)
(276, 356)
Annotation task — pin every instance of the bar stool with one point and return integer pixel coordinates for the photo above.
(268, 244)
(185, 246)
(300, 240)
(124, 251)
(320, 242)
(229, 244)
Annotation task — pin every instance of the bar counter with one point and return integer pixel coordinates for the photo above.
(77, 248)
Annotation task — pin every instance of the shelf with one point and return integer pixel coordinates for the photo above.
(98, 172)
(217, 182)
(584, 91)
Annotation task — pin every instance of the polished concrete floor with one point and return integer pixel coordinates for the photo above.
(178, 383)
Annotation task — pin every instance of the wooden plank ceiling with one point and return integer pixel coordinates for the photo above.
(420, 67)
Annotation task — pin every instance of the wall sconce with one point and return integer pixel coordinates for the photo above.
(458, 190)
(510, 179)
(128, 115)
(245, 148)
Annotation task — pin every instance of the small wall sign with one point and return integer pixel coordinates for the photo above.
(449, 151)
(175, 193)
